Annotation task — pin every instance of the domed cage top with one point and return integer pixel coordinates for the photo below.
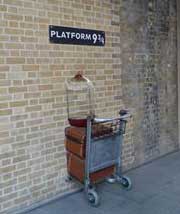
(80, 100)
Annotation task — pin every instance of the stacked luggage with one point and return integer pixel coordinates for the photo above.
(75, 143)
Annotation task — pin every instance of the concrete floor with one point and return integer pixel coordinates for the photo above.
(156, 190)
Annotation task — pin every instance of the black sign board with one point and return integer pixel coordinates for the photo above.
(76, 36)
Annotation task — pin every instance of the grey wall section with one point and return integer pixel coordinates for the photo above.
(178, 60)
(149, 74)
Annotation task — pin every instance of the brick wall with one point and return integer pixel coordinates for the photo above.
(149, 75)
(32, 76)
(32, 101)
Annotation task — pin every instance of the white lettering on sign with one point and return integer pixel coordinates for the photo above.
(94, 38)
(63, 35)
(53, 33)
(68, 34)
(57, 34)
(82, 36)
(88, 36)
(71, 35)
(78, 36)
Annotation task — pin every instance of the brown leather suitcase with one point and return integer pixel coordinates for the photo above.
(76, 137)
(79, 134)
(75, 147)
(76, 168)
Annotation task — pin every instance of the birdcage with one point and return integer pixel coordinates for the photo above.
(80, 100)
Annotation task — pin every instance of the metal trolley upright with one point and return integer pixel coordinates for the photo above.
(97, 155)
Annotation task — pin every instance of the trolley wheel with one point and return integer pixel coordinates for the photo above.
(93, 198)
(126, 182)
(68, 178)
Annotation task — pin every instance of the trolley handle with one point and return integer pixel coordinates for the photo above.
(126, 116)
(104, 120)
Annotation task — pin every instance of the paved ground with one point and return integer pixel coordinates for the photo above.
(156, 190)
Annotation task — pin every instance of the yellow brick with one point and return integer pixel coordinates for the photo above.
(7, 169)
(19, 117)
(12, 9)
(48, 126)
(14, 2)
(17, 89)
(20, 125)
(21, 158)
(28, 39)
(31, 95)
(15, 53)
(18, 103)
(5, 82)
(4, 23)
(46, 100)
(41, 20)
(45, 74)
(3, 105)
(15, 60)
(2, 76)
(45, 87)
(33, 108)
(22, 199)
(9, 197)
(32, 74)
(14, 46)
(4, 53)
(5, 97)
(28, 4)
(3, 90)
(4, 134)
(2, 60)
(26, 25)
(30, 67)
(5, 112)
(13, 17)
(29, 33)
(33, 122)
(42, 26)
(34, 102)
(28, 19)
(6, 162)
(6, 141)
(30, 60)
(3, 8)
(17, 82)
(3, 38)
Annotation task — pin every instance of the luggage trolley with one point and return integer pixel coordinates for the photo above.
(102, 152)
(105, 151)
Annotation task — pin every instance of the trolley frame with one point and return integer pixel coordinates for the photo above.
(104, 152)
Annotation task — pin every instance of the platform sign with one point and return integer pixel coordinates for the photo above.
(76, 36)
